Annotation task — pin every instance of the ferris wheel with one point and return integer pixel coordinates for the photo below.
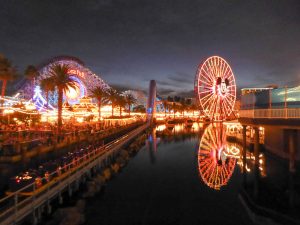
(215, 161)
(215, 88)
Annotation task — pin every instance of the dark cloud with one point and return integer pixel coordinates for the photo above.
(131, 42)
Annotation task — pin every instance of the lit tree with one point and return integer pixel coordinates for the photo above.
(121, 102)
(165, 103)
(100, 95)
(63, 82)
(112, 96)
(130, 100)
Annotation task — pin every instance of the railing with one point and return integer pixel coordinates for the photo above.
(17, 205)
(286, 113)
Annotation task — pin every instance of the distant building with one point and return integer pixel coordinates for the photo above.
(264, 98)
(254, 90)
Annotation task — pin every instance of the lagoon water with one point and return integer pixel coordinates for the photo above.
(162, 184)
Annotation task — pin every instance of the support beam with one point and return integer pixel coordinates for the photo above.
(256, 164)
(292, 135)
(244, 156)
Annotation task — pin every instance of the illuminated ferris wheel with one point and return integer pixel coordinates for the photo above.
(215, 88)
(215, 159)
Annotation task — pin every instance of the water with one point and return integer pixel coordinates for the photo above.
(162, 185)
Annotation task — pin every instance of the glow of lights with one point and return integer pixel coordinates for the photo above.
(73, 95)
(214, 171)
(8, 111)
(215, 87)
(39, 100)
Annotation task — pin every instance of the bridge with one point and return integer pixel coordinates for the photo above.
(30, 200)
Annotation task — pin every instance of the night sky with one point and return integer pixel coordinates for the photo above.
(129, 42)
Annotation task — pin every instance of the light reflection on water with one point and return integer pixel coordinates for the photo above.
(217, 156)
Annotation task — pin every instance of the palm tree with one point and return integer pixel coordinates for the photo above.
(183, 106)
(63, 82)
(129, 101)
(31, 73)
(99, 94)
(7, 73)
(48, 86)
(174, 107)
(193, 107)
(112, 96)
(121, 102)
(165, 104)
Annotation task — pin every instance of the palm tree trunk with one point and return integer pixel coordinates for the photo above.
(120, 111)
(59, 109)
(99, 108)
(129, 109)
(165, 110)
(112, 109)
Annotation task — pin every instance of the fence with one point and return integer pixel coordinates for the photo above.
(285, 113)
(16, 206)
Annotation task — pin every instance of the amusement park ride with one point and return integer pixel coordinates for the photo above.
(32, 97)
(215, 90)
(85, 81)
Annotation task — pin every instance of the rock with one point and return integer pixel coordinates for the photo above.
(92, 188)
(107, 174)
(80, 205)
(115, 167)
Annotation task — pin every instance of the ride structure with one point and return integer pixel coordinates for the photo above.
(84, 78)
(215, 88)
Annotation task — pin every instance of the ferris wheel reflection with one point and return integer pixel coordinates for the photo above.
(217, 157)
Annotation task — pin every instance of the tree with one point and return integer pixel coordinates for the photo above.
(121, 102)
(193, 107)
(47, 85)
(130, 100)
(165, 104)
(100, 95)
(63, 82)
(31, 73)
(112, 96)
(7, 73)
(174, 107)
(183, 106)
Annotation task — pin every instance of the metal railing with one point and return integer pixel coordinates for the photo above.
(17, 205)
(286, 113)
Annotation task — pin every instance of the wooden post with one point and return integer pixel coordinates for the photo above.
(256, 164)
(244, 155)
(285, 102)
